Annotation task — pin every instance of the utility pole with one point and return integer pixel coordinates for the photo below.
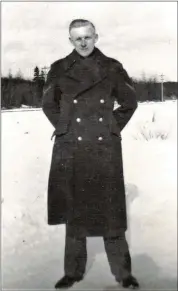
(45, 70)
(162, 89)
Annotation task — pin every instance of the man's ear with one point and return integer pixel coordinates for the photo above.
(96, 37)
(70, 40)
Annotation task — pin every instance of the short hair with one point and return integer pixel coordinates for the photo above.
(80, 23)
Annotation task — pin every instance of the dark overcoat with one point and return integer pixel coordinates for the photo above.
(86, 182)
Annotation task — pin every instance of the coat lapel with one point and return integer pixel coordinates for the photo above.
(82, 80)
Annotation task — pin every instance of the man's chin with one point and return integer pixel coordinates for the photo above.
(84, 53)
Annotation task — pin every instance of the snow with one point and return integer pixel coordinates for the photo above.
(33, 252)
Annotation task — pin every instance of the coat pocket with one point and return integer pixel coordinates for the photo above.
(66, 105)
(59, 133)
(114, 128)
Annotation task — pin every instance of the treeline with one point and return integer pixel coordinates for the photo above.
(17, 91)
(150, 90)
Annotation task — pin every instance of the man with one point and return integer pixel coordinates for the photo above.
(86, 183)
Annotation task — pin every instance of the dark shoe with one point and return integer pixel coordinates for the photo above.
(130, 282)
(67, 282)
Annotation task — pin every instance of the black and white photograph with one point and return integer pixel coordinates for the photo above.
(89, 146)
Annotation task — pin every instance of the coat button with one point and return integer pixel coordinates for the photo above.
(79, 138)
(75, 101)
(100, 119)
(78, 119)
(102, 101)
(100, 138)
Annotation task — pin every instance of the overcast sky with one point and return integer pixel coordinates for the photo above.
(141, 35)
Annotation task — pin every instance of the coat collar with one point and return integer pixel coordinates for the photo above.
(83, 85)
(74, 58)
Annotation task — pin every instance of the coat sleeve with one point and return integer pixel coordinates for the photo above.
(51, 97)
(125, 95)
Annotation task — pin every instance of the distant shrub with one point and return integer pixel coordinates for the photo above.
(152, 130)
(148, 134)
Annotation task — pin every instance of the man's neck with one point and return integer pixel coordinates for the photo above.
(87, 57)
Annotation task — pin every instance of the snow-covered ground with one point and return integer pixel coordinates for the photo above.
(32, 251)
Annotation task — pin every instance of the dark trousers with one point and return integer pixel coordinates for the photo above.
(117, 253)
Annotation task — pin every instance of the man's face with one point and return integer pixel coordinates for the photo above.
(83, 39)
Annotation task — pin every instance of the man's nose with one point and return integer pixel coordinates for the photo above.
(83, 43)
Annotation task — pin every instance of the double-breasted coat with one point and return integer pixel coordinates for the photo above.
(86, 180)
